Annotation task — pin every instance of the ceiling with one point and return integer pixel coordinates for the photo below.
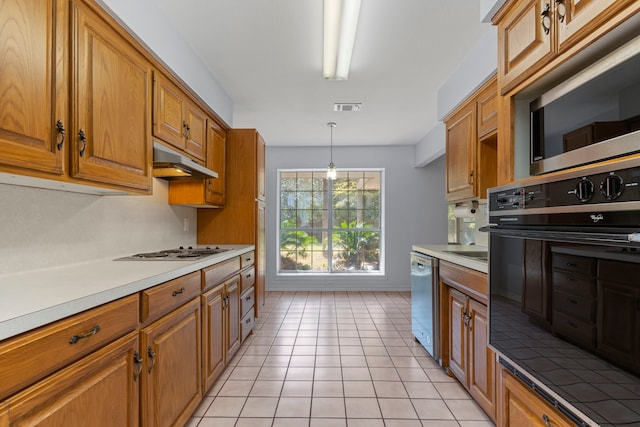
(267, 55)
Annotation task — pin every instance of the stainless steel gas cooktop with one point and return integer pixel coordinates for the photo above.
(180, 254)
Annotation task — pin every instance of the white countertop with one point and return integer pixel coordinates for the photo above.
(35, 298)
(439, 251)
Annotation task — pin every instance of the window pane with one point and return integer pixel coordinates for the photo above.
(309, 203)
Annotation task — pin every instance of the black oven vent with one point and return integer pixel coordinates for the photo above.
(542, 393)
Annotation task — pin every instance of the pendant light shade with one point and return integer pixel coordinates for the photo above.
(331, 170)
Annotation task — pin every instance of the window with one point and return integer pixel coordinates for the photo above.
(330, 226)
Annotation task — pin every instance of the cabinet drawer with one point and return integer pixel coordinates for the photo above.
(578, 264)
(35, 354)
(248, 279)
(247, 259)
(573, 283)
(578, 306)
(246, 324)
(218, 272)
(619, 271)
(246, 301)
(161, 299)
(575, 330)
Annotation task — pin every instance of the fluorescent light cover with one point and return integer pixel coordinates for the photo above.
(340, 24)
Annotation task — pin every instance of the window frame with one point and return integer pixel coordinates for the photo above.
(330, 229)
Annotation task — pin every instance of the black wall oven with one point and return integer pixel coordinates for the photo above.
(564, 273)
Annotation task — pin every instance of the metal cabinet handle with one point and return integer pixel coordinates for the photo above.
(186, 130)
(471, 177)
(83, 140)
(561, 10)
(248, 320)
(137, 360)
(546, 19)
(178, 292)
(152, 356)
(545, 418)
(74, 339)
(60, 127)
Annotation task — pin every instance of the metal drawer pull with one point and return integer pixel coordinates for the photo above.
(248, 321)
(176, 293)
(152, 356)
(137, 360)
(74, 339)
(546, 20)
(60, 127)
(545, 418)
(248, 297)
(83, 139)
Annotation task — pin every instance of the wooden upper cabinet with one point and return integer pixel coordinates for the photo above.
(168, 114)
(578, 17)
(177, 120)
(460, 152)
(532, 33)
(34, 94)
(196, 138)
(525, 41)
(471, 145)
(216, 149)
(260, 165)
(111, 134)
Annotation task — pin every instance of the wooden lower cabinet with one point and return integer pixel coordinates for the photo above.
(4, 415)
(171, 387)
(521, 407)
(221, 328)
(99, 390)
(465, 334)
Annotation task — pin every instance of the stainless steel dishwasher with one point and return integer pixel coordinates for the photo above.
(424, 302)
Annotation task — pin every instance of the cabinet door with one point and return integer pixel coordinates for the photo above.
(233, 315)
(4, 415)
(260, 164)
(196, 136)
(216, 148)
(33, 84)
(172, 378)
(261, 254)
(579, 17)
(100, 390)
(525, 41)
(458, 338)
(213, 325)
(169, 122)
(618, 322)
(522, 408)
(488, 109)
(481, 359)
(461, 146)
(112, 99)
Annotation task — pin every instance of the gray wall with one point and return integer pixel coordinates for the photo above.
(415, 211)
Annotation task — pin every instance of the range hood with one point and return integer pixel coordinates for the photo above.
(171, 165)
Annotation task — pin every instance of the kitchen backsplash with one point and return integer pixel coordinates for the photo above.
(46, 228)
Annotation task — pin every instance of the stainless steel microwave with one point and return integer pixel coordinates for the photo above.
(592, 116)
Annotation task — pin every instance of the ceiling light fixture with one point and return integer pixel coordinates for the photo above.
(340, 24)
(331, 170)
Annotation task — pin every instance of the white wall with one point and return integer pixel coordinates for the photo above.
(46, 228)
(476, 68)
(415, 210)
(151, 27)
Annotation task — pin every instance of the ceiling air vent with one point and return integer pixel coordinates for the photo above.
(354, 106)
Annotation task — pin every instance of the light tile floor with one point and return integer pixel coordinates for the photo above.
(336, 359)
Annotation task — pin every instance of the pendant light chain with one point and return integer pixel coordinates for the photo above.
(331, 170)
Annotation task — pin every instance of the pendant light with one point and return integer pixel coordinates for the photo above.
(331, 170)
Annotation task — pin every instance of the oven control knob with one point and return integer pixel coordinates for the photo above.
(611, 187)
(584, 189)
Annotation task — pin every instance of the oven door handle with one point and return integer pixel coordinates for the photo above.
(565, 236)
